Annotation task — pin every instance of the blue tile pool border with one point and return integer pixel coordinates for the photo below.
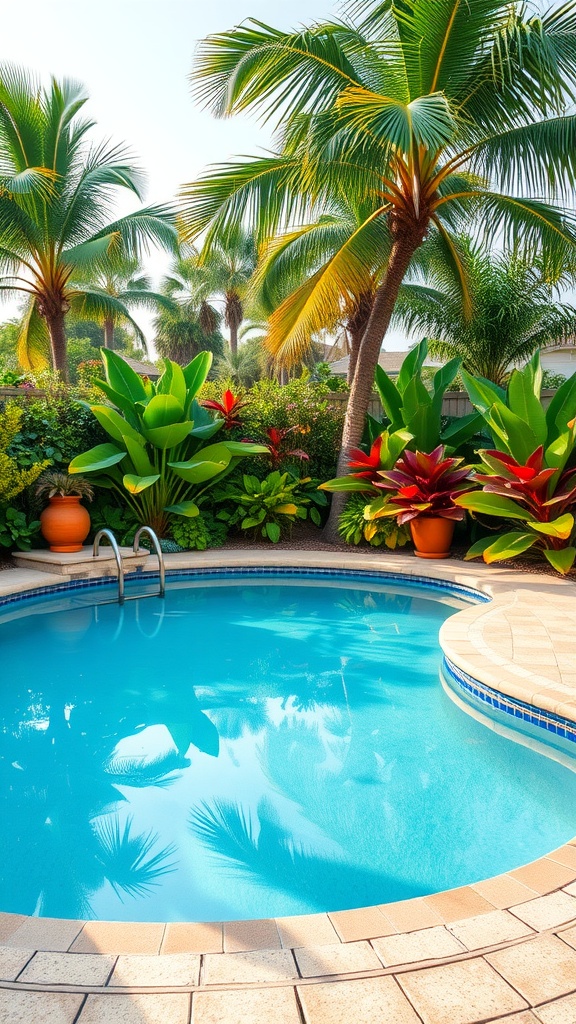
(238, 572)
(480, 694)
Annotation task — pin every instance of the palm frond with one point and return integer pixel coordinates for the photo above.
(33, 345)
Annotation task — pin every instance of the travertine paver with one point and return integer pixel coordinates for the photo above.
(541, 969)
(170, 1008)
(157, 971)
(544, 875)
(366, 923)
(315, 961)
(569, 935)
(45, 933)
(489, 929)
(561, 1011)
(68, 969)
(246, 935)
(18, 1007)
(9, 923)
(257, 966)
(365, 1001)
(411, 915)
(118, 937)
(193, 938)
(456, 904)
(547, 911)
(261, 1006)
(428, 944)
(317, 929)
(12, 961)
(460, 993)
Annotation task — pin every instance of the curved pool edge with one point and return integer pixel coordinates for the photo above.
(522, 641)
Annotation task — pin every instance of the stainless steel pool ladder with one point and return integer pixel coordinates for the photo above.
(116, 550)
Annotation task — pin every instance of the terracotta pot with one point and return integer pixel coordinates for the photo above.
(432, 536)
(65, 523)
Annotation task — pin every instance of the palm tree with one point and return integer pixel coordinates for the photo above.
(55, 201)
(514, 312)
(229, 262)
(432, 113)
(190, 323)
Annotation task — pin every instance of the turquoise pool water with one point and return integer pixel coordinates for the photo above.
(251, 748)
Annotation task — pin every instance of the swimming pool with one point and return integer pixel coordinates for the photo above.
(256, 745)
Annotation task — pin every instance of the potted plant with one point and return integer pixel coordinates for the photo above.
(64, 523)
(421, 491)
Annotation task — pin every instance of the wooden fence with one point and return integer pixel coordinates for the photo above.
(456, 403)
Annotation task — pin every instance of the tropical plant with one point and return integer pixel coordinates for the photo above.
(354, 528)
(57, 484)
(159, 432)
(267, 507)
(278, 450)
(54, 209)
(411, 403)
(540, 500)
(245, 366)
(516, 419)
(228, 408)
(13, 478)
(514, 312)
(16, 530)
(432, 114)
(190, 323)
(422, 484)
(228, 262)
(201, 532)
(366, 467)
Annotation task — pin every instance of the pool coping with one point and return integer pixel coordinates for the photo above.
(507, 641)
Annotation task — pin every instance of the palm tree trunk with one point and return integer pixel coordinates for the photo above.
(108, 333)
(403, 249)
(55, 323)
(234, 338)
(356, 328)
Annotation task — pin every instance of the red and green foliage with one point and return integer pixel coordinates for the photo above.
(278, 449)
(421, 485)
(540, 497)
(229, 408)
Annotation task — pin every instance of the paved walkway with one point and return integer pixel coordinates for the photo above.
(503, 949)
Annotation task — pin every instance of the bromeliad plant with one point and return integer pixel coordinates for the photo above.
(422, 485)
(158, 461)
(541, 500)
(229, 408)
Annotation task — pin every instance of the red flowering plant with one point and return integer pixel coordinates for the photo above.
(541, 498)
(278, 449)
(229, 408)
(421, 485)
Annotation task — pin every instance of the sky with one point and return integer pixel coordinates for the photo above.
(135, 56)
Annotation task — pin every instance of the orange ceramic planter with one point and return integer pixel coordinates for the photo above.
(432, 536)
(65, 523)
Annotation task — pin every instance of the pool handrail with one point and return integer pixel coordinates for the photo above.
(156, 543)
(114, 545)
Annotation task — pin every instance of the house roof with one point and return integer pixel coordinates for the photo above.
(389, 361)
(144, 369)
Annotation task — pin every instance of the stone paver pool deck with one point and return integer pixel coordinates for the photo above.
(502, 949)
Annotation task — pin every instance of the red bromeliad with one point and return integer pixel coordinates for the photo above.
(367, 464)
(422, 485)
(275, 445)
(229, 408)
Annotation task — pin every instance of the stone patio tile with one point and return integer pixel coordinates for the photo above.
(526, 1017)
(9, 923)
(17, 1007)
(193, 938)
(544, 875)
(262, 1006)
(151, 1008)
(118, 937)
(541, 969)
(504, 891)
(257, 966)
(68, 969)
(571, 889)
(458, 903)
(565, 855)
(343, 958)
(410, 915)
(366, 923)
(489, 929)
(365, 1001)
(157, 971)
(12, 961)
(241, 936)
(547, 911)
(46, 933)
(561, 1011)
(306, 930)
(459, 993)
(428, 944)
(569, 936)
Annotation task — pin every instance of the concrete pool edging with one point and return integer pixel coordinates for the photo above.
(406, 959)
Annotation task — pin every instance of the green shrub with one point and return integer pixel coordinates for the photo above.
(16, 530)
(201, 532)
(267, 508)
(14, 477)
(353, 527)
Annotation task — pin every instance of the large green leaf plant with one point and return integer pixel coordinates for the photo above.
(529, 479)
(158, 461)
